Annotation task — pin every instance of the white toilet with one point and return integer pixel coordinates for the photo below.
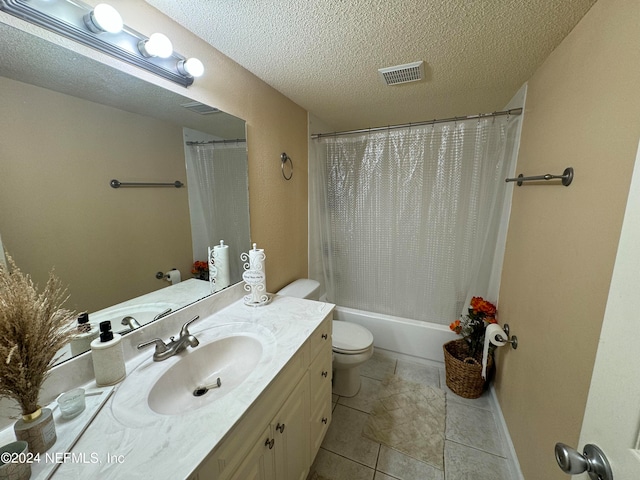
(352, 343)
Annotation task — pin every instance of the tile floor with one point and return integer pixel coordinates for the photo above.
(474, 446)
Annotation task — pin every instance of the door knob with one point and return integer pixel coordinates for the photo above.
(592, 460)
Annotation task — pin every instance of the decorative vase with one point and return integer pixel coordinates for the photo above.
(37, 429)
(463, 372)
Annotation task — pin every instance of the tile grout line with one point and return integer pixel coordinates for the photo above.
(449, 398)
(476, 449)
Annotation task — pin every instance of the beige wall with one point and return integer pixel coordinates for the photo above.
(275, 124)
(58, 210)
(582, 110)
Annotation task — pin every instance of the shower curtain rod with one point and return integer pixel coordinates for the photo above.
(513, 111)
(237, 140)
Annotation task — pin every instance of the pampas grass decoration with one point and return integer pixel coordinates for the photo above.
(33, 328)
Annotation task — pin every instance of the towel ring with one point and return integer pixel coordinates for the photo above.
(284, 157)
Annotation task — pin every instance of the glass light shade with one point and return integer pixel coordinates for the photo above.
(104, 18)
(158, 45)
(191, 67)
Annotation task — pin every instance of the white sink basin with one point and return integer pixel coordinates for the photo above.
(230, 359)
(238, 353)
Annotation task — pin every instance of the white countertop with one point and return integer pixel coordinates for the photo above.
(128, 440)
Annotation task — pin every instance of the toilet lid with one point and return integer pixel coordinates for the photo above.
(350, 337)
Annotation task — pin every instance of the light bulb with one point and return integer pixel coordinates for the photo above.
(192, 67)
(158, 45)
(104, 18)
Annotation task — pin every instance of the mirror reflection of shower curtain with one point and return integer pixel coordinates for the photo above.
(407, 221)
(218, 173)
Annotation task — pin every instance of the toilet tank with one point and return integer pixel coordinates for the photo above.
(302, 288)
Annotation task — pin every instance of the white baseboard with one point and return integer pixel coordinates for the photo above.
(512, 458)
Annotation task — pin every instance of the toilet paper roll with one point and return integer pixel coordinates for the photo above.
(255, 277)
(492, 331)
(173, 276)
(257, 258)
(221, 262)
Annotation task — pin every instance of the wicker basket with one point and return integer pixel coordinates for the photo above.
(464, 374)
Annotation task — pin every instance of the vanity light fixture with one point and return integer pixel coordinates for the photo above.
(191, 67)
(101, 27)
(157, 45)
(104, 18)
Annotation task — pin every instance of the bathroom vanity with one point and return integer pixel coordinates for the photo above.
(279, 436)
(266, 420)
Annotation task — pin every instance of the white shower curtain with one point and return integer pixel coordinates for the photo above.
(217, 173)
(406, 222)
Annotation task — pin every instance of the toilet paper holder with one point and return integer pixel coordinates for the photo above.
(513, 340)
(163, 276)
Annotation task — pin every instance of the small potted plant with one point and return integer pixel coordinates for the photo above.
(33, 329)
(463, 357)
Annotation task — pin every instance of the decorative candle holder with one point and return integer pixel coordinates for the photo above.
(219, 267)
(213, 270)
(255, 278)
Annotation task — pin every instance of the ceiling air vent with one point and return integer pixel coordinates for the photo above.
(200, 108)
(411, 72)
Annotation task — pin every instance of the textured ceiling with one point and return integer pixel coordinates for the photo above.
(324, 54)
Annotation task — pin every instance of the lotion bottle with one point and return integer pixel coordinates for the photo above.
(108, 357)
(86, 334)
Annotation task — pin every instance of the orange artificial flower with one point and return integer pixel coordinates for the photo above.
(480, 305)
(456, 327)
(472, 326)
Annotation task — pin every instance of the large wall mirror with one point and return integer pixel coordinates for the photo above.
(69, 126)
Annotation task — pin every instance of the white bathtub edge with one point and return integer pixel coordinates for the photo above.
(402, 335)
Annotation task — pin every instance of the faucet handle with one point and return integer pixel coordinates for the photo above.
(160, 345)
(184, 331)
(162, 314)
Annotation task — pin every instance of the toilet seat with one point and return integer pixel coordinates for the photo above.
(350, 338)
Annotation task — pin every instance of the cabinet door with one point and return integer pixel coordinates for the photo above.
(291, 435)
(320, 379)
(259, 462)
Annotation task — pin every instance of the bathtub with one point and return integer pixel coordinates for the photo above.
(402, 335)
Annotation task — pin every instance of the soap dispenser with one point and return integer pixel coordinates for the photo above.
(86, 334)
(108, 356)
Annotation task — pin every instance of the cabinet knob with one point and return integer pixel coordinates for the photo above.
(325, 336)
(324, 373)
(270, 443)
(325, 420)
(280, 427)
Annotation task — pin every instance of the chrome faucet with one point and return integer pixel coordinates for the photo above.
(131, 322)
(166, 350)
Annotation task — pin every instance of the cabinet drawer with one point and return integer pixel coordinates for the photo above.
(321, 337)
(320, 378)
(319, 424)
